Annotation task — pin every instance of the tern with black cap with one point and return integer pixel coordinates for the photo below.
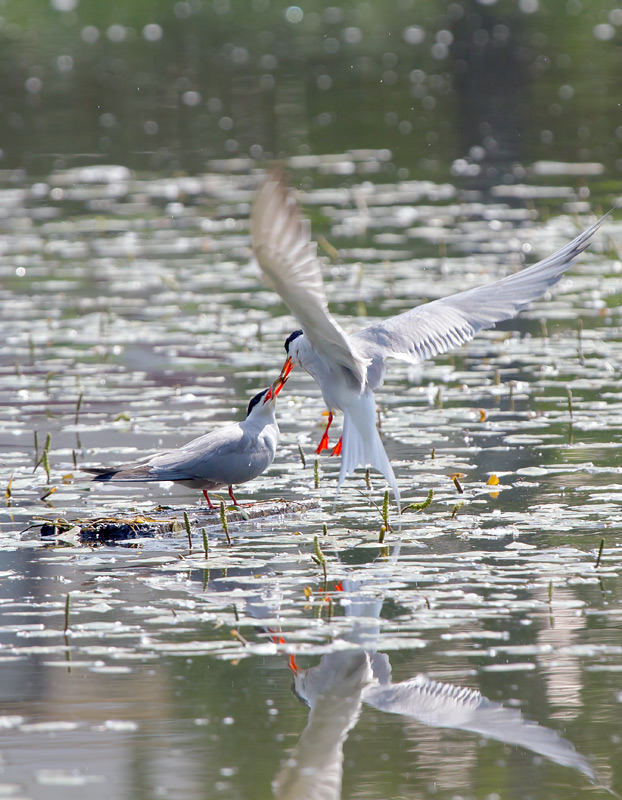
(227, 456)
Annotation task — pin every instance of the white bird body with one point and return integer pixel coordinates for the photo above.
(230, 455)
(349, 368)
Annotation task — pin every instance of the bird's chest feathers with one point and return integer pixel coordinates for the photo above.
(333, 378)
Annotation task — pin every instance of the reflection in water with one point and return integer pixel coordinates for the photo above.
(335, 690)
(354, 673)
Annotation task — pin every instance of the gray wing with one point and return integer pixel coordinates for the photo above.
(438, 326)
(444, 705)
(201, 458)
(288, 258)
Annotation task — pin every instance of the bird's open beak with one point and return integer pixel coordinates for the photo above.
(278, 384)
(288, 366)
(276, 387)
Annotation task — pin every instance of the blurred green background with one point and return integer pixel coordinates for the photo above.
(158, 84)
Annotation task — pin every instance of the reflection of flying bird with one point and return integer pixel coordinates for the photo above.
(349, 368)
(444, 705)
(230, 455)
(336, 688)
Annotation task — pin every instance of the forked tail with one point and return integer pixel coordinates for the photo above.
(361, 443)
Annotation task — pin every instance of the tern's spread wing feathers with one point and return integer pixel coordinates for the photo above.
(287, 255)
(438, 326)
(444, 705)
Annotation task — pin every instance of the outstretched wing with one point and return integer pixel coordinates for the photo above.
(288, 257)
(435, 327)
(444, 705)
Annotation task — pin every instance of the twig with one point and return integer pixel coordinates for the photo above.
(600, 552)
(66, 613)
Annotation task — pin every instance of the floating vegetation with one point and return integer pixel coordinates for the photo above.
(47, 494)
(127, 594)
(320, 559)
(420, 506)
(188, 531)
(8, 494)
(78, 407)
(328, 248)
(385, 510)
(224, 523)
(44, 459)
(205, 542)
(456, 508)
(67, 599)
(111, 530)
(512, 385)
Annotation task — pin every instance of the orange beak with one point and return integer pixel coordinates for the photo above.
(278, 384)
(288, 366)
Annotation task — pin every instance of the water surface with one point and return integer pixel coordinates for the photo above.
(475, 652)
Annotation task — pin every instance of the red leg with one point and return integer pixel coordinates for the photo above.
(209, 502)
(323, 445)
(337, 448)
(235, 502)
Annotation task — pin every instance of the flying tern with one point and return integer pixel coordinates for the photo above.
(230, 455)
(349, 368)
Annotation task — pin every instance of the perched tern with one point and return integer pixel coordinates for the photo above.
(349, 368)
(226, 456)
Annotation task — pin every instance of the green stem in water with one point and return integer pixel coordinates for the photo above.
(187, 524)
(223, 520)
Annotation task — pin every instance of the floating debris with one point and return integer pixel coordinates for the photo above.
(109, 530)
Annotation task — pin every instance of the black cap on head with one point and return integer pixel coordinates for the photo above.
(290, 339)
(254, 401)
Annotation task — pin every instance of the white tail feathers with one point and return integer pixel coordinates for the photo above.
(361, 445)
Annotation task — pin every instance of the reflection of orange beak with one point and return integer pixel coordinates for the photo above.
(291, 661)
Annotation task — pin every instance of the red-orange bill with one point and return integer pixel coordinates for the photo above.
(279, 383)
(288, 366)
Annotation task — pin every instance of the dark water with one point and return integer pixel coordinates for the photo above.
(476, 652)
(164, 85)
